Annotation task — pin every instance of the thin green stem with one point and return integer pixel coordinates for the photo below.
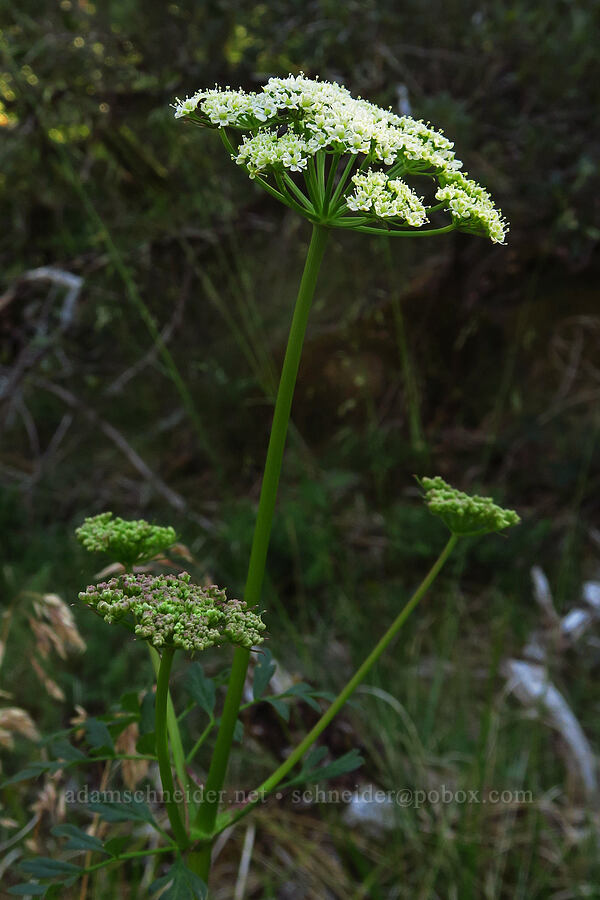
(310, 177)
(135, 854)
(408, 372)
(206, 817)
(342, 182)
(283, 198)
(226, 141)
(174, 733)
(333, 166)
(275, 779)
(200, 741)
(417, 233)
(162, 747)
(321, 177)
(292, 186)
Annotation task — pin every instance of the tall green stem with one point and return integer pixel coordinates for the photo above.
(206, 818)
(162, 747)
(277, 777)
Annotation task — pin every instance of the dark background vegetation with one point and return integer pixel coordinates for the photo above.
(452, 356)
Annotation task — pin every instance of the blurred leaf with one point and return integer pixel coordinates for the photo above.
(147, 716)
(65, 750)
(311, 774)
(184, 884)
(133, 811)
(43, 867)
(130, 703)
(146, 744)
(78, 839)
(116, 845)
(28, 890)
(238, 732)
(31, 771)
(200, 688)
(98, 735)
(263, 672)
(283, 709)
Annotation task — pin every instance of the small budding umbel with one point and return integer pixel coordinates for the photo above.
(463, 514)
(170, 611)
(352, 156)
(127, 542)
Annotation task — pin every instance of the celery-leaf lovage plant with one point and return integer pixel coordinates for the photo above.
(341, 163)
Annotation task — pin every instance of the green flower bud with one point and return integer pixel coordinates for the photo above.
(463, 514)
(169, 611)
(127, 542)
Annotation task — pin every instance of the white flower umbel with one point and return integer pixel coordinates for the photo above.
(350, 158)
(386, 198)
(472, 207)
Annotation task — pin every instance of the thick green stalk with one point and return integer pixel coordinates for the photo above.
(205, 820)
(162, 747)
(277, 777)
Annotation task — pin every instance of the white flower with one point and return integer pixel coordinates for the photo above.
(387, 198)
(321, 117)
(472, 207)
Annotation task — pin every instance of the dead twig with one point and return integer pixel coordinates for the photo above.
(171, 496)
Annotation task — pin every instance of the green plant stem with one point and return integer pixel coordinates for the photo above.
(408, 372)
(271, 783)
(162, 747)
(172, 724)
(200, 741)
(206, 817)
(136, 854)
(428, 232)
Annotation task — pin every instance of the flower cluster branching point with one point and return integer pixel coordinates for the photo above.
(171, 611)
(465, 514)
(127, 542)
(311, 127)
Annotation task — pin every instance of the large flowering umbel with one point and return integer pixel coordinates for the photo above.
(170, 611)
(463, 514)
(355, 159)
(127, 542)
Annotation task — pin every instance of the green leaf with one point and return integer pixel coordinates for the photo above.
(263, 672)
(313, 758)
(98, 736)
(32, 771)
(200, 688)
(130, 703)
(78, 839)
(311, 774)
(304, 692)
(238, 732)
(115, 845)
(43, 867)
(183, 884)
(28, 890)
(65, 750)
(147, 713)
(111, 811)
(283, 709)
(146, 744)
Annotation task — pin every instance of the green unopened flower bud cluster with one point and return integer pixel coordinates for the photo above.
(292, 120)
(465, 514)
(171, 611)
(127, 542)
